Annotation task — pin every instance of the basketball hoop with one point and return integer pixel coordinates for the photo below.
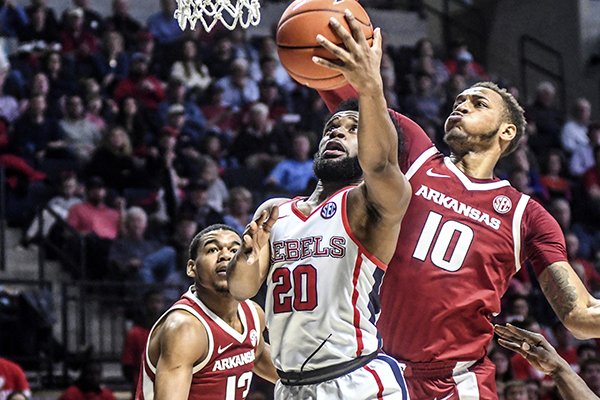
(209, 12)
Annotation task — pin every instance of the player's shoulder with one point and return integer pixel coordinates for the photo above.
(179, 321)
(267, 204)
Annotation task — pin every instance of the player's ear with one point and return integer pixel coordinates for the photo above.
(508, 131)
(190, 268)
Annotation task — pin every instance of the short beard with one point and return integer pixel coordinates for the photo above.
(458, 144)
(346, 170)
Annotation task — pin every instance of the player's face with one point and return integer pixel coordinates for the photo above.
(477, 117)
(337, 158)
(209, 269)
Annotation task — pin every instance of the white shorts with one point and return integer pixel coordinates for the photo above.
(381, 378)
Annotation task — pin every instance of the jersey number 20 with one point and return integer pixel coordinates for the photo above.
(302, 282)
(449, 230)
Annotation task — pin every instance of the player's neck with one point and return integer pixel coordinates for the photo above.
(224, 305)
(324, 190)
(478, 165)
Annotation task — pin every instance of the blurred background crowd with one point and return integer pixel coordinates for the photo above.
(137, 135)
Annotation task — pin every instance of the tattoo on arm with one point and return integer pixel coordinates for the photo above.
(560, 293)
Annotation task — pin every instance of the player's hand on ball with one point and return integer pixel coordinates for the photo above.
(358, 61)
(257, 233)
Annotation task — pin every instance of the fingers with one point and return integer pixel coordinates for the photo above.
(357, 33)
(273, 215)
(334, 49)
(377, 39)
(327, 63)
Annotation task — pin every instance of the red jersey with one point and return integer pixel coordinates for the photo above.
(226, 371)
(461, 241)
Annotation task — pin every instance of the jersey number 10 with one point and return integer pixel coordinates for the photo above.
(449, 230)
(303, 281)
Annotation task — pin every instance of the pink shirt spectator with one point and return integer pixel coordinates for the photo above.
(101, 220)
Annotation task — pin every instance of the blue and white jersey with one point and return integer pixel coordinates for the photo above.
(322, 288)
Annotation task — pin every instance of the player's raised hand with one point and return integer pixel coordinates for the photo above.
(257, 233)
(358, 61)
(533, 346)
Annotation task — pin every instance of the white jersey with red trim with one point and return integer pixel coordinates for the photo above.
(322, 289)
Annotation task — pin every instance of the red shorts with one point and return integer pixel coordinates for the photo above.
(449, 381)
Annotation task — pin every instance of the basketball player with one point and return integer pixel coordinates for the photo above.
(467, 234)
(323, 256)
(542, 356)
(207, 345)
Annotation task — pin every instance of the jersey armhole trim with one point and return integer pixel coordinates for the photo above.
(516, 229)
(380, 264)
(420, 161)
(256, 320)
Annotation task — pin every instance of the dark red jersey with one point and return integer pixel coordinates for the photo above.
(226, 372)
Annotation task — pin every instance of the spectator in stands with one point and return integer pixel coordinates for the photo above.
(153, 305)
(9, 106)
(254, 146)
(213, 146)
(37, 137)
(560, 209)
(424, 105)
(88, 385)
(111, 62)
(59, 204)
(61, 79)
(591, 186)
(564, 344)
(98, 223)
(133, 257)
(92, 20)
(553, 179)
(269, 65)
(584, 268)
(583, 156)
(544, 119)
(196, 207)
(221, 117)
(501, 361)
(113, 161)
(590, 373)
(76, 40)
(221, 56)
(176, 95)
(574, 131)
(517, 308)
(130, 118)
(42, 26)
(292, 175)
(163, 26)
(13, 18)
(12, 378)
(122, 22)
(461, 62)
(80, 135)
(515, 390)
(240, 207)
(139, 84)
(586, 351)
(217, 191)
(238, 88)
(424, 54)
(191, 70)
(271, 95)
(184, 231)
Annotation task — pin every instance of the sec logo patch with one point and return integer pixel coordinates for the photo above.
(502, 204)
(328, 210)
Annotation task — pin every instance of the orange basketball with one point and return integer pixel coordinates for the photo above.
(297, 39)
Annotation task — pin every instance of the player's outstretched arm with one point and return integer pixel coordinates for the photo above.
(248, 269)
(386, 187)
(578, 310)
(263, 364)
(182, 341)
(542, 356)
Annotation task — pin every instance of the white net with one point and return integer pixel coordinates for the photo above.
(209, 12)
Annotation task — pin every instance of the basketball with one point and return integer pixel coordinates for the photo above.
(297, 43)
